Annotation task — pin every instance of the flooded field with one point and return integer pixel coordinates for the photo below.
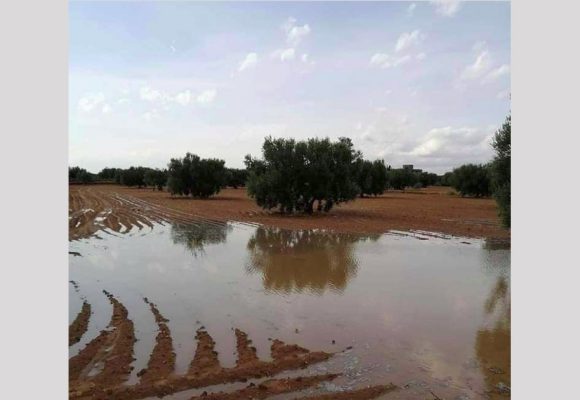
(241, 311)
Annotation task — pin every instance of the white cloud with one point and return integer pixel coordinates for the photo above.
(149, 94)
(123, 100)
(295, 33)
(380, 59)
(411, 9)
(207, 96)
(448, 142)
(106, 109)
(496, 73)
(91, 101)
(183, 98)
(479, 67)
(447, 8)
(420, 56)
(383, 60)
(408, 40)
(284, 54)
(150, 115)
(249, 62)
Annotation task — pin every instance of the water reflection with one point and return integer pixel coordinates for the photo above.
(195, 236)
(297, 261)
(493, 343)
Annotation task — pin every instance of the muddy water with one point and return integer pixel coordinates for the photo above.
(429, 314)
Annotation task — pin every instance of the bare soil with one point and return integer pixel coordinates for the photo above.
(94, 207)
(113, 351)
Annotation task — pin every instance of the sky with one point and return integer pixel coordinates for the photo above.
(422, 83)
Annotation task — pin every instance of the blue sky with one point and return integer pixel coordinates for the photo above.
(425, 83)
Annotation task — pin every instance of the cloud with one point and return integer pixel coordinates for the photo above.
(123, 100)
(411, 9)
(408, 40)
(249, 62)
(497, 73)
(420, 56)
(284, 54)
(295, 33)
(149, 94)
(380, 59)
(448, 142)
(183, 98)
(383, 60)
(106, 109)
(207, 96)
(479, 67)
(446, 8)
(150, 115)
(90, 101)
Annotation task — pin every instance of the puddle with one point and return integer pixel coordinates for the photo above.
(429, 315)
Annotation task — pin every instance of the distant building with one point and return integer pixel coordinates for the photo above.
(409, 167)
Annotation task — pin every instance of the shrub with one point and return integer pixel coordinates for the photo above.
(134, 176)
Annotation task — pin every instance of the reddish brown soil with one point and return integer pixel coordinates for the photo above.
(116, 363)
(162, 360)
(114, 349)
(79, 326)
(269, 388)
(361, 394)
(431, 209)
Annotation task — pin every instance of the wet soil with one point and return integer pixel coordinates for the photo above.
(79, 325)
(112, 350)
(95, 207)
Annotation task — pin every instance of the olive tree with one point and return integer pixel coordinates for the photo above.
(472, 180)
(195, 176)
(155, 178)
(293, 176)
(501, 171)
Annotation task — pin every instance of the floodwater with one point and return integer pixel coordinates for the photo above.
(429, 314)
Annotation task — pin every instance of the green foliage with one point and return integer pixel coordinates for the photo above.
(236, 177)
(80, 175)
(292, 175)
(371, 177)
(445, 179)
(472, 180)
(399, 179)
(134, 176)
(109, 174)
(501, 171)
(155, 178)
(194, 176)
(427, 179)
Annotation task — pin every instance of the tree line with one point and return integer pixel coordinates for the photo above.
(313, 175)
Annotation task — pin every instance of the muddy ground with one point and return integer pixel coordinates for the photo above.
(93, 207)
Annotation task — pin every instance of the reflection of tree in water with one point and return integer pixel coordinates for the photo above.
(196, 236)
(303, 260)
(493, 344)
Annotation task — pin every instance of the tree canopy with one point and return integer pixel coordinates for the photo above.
(501, 171)
(293, 175)
(195, 176)
(472, 180)
(155, 178)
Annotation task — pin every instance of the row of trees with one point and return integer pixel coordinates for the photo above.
(315, 174)
(493, 178)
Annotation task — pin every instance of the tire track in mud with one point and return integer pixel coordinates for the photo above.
(112, 351)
